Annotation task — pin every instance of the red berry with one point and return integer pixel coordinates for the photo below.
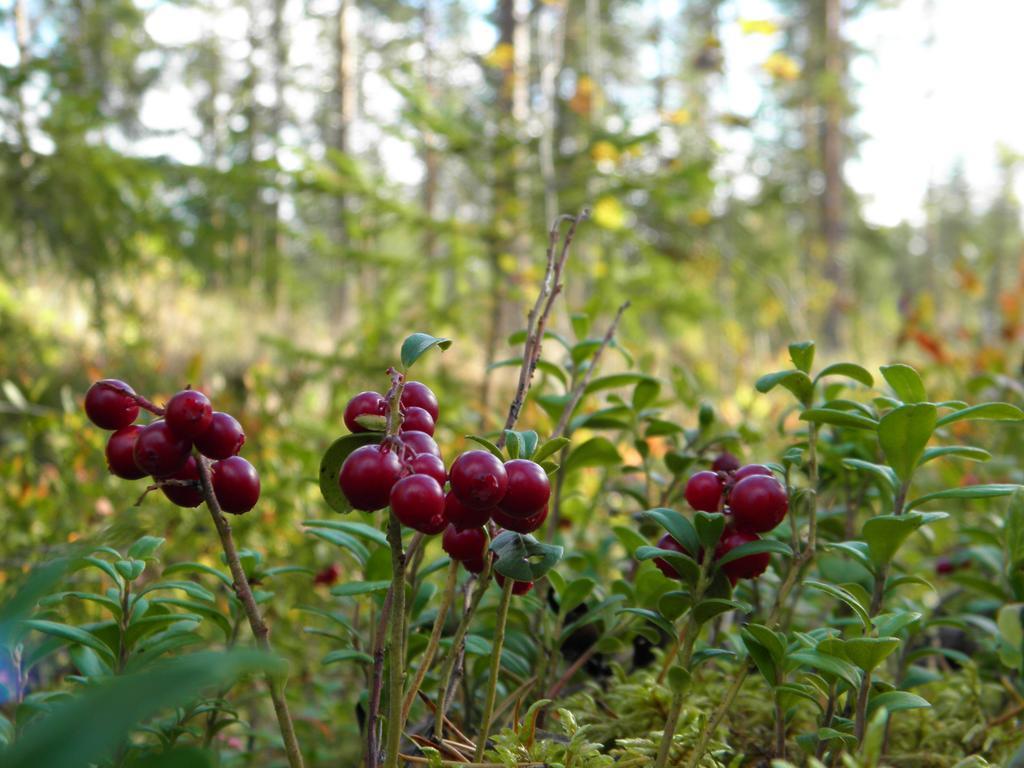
(749, 567)
(461, 516)
(110, 404)
(479, 479)
(416, 418)
(363, 404)
(667, 542)
(420, 442)
(222, 439)
(518, 587)
(419, 395)
(520, 524)
(418, 502)
(528, 488)
(704, 491)
(758, 503)
(328, 575)
(367, 476)
(944, 566)
(236, 485)
(121, 453)
(185, 495)
(476, 565)
(160, 452)
(429, 464)
(750, 470)
(467, 544)
(188, 414)
(726, 462)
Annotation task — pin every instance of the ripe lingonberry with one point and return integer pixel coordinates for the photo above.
(758, 503)
(419, 442)
(669, 543)
(188, 414)
(328, 575)
(185, 495)
(418, 419)
(528, 488)
(429, 464)
(520, 524)
(222, 439)
(479, 479)
(121, 453)
(466, 544)
(704, 491)
(750, 470)
(726, 462)
(476, 565)
(749, 567)
(110, 404)
(418, 502)
(236, 485)
(363, 404)
(518, 587)
(418, 395)
(461, 516)
(159, 451)
(367, 476)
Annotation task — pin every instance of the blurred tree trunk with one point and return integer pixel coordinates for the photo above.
(551, 32)
(346, 90)
(275, 237)
(832, 213)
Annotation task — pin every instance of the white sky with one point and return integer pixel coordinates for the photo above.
(922, 109)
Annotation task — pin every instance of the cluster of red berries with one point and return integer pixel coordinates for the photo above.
(163, 448)
(408, 474)
(753, 500)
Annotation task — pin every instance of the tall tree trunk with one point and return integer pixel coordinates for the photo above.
(275, 239)
(346, 89)
(832, 225)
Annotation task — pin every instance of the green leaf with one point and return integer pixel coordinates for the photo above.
(595, 452)
(772, 641)
(514, 444)
(144, 547)
(858, 550)
(886, 533)
(828, 665)
(707, 609)
(645, 393)
(417, 344)
(330, 467)
(360, 588)
(685, 566)
(198, 568)
(868, 652)
(894, 701)
(801, 353)
(797, 382)
(575, 593)
(882, 472)
(849, 370)
(616, 380)
(774, 546)
(484, 442)
(845, 596)
(530, 439)
(655, 618)
(343, 541)
(72, 635)
(709, 528)
(521, 557)
(542, 365)
(838, 418)
(968, 452)
(346, 654)
(903, 434)
(966, 492)
(678, 527)
(362, 530)
(1013, 532)
(549, 448)
(905, 382)
(989, 411)
(674, 604)
(678, 679)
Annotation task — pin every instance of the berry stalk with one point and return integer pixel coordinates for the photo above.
(492, 687)
(435, 639)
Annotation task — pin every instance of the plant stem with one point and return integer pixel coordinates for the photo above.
(260, 630)
(492, 687)
(435, 638)
(780, 729)
(396, 664)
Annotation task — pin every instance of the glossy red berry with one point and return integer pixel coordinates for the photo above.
(328, 575)
(528, 488)
(749, 567)
(750, 470)
(158, 451)
(520, 524)
(418, 502)
(363, 404)
(518, 587)
(758, 503)
(418, 419)
(466, 544)
(429, 464)
(704, 491)
(236, 485)
(418, 395)
(188, 414)
(944, 566)
(222, 439)
(368, 475)
(461, 516)
(476, 565)
(110, 404)
(185, 495)
(725, 462)
(121, 453)
(667, 542)
(420, 442)
(479, 479)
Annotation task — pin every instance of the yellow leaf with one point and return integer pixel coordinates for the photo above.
(501, 57)
(508, 264)
(781, 66)
(758, 26)
(679, 117)
(609, 213)
(604, 151)
(700, 217)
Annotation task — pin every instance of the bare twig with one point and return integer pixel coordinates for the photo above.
(140, 401)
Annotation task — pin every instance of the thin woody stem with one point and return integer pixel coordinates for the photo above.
(492, 686)
(140, 401)
(435, 638)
